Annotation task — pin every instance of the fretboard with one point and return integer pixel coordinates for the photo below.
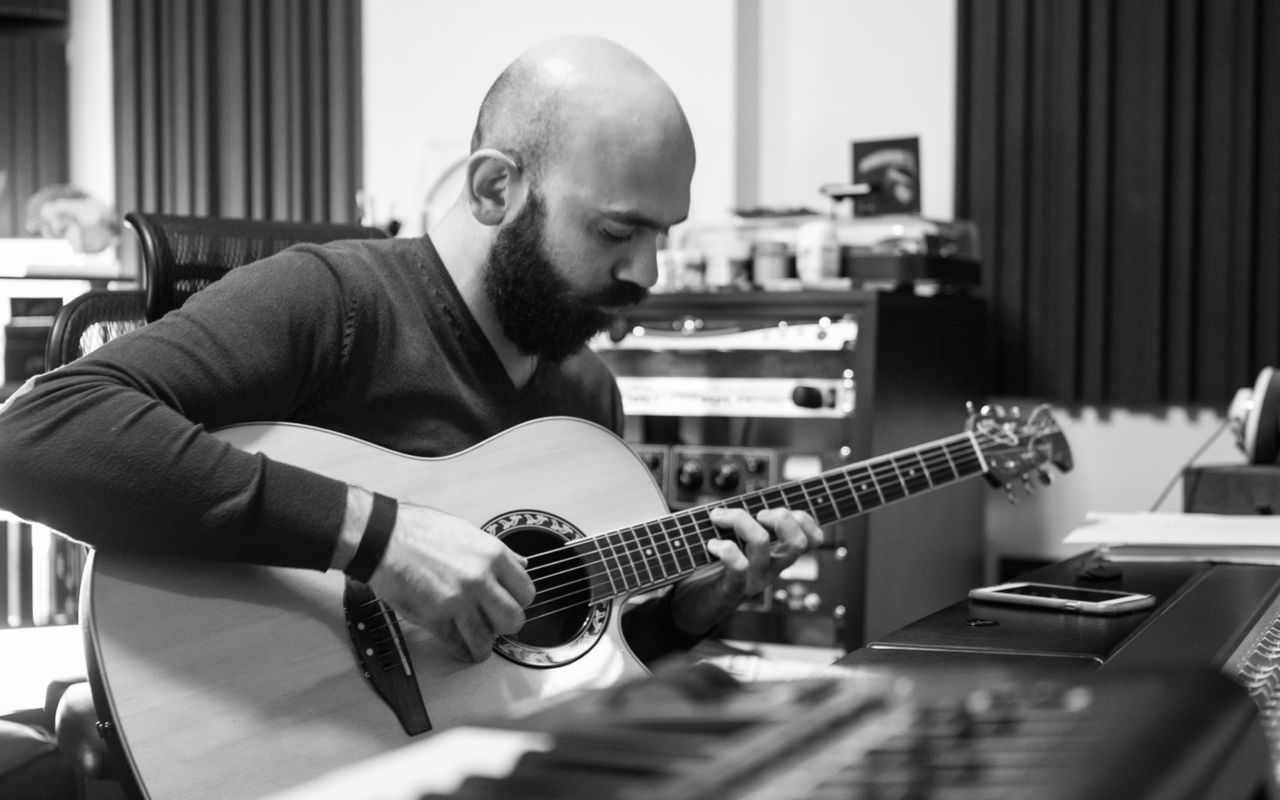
(663, 550)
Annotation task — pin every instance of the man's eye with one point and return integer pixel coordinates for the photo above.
(615, 234)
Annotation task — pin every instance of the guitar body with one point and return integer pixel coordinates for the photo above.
(225, 680)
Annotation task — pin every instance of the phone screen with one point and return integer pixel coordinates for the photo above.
(1063, 592)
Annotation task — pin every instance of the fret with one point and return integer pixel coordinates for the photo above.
(824, 508)
(810, 505)
(856, 490)
(977, 448)
(914, 473)
(955, 471)
(644, 554)
(705, 530)
(874, 484)
(604, 562)
(655, 554)
(906, 490)
(630, 575)
(701, 532)
(679, 547)
(925, 466)
(853, 495)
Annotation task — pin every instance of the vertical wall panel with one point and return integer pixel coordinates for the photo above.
(1266, 245)
(1182, 202)
(1239, 226)
(1137, 237)
(259, 75)
(1097, 199)
(1214, 179)
(1123, 172)
(34, 149)
(1011, 200)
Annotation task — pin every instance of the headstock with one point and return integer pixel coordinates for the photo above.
(1017, 449)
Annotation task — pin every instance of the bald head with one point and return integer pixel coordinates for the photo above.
(573, 92)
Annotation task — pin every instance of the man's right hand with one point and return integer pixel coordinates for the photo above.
(445, 574)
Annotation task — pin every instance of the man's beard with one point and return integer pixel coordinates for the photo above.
(539, 311)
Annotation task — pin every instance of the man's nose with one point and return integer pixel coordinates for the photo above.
(641, 268)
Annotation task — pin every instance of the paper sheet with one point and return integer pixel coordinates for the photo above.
(1172, 529)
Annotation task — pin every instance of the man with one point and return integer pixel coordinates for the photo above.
(581, 158)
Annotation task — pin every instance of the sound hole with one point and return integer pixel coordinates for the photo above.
(561, 583)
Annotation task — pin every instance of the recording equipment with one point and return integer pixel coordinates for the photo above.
(1254, 415)
(724, 391)
(694, 734)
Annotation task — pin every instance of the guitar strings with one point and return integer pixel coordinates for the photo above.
(550, 601)
(968, 457)
(847, 489)
(884, 467)
(635, 550)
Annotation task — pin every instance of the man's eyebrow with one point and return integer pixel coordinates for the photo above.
(641, 220)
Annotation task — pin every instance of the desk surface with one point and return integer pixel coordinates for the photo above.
(1202, 611)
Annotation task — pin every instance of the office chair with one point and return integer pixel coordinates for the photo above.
(53, 751)
(90, 320)
(180, 256)
(183, 254)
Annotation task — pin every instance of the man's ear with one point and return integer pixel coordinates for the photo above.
(495, 185)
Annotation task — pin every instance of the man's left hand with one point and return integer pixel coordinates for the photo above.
(746, 565)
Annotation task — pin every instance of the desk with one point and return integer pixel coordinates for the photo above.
(1202, 611)
(1207, 617)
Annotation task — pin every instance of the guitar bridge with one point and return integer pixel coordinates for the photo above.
(383, 656)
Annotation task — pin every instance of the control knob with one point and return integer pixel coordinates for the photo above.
(811, 397)
(726, 477)
(690, 475)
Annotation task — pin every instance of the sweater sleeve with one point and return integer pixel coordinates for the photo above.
(651, 631)
(114, 449)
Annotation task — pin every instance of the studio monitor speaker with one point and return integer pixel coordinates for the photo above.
(1255, 418)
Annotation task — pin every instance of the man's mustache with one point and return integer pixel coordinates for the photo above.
(620, 294)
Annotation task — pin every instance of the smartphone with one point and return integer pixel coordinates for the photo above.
(1064, 598)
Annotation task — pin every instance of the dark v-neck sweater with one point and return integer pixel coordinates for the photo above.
(367, 338)
(371, 339)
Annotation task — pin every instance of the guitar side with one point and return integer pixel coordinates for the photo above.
(226, 680)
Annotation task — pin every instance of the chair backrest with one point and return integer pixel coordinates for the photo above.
(183, 254)
(88, 321)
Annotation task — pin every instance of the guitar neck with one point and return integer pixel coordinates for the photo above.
(658, 552)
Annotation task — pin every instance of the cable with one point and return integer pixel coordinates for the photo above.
(1178, 475)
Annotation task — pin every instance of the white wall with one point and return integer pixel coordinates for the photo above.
(1124, 461)
(428, 65)
(835, 71)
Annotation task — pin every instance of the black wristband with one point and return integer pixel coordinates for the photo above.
(377, 533)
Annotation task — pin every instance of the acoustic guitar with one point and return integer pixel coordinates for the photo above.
(225, 680)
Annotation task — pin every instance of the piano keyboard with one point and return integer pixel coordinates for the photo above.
(39, 575)
(867, 735)
(1255, 664)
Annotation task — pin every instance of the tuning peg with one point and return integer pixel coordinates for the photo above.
(1010, 494)
(1046, 476)
(1027, 485)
